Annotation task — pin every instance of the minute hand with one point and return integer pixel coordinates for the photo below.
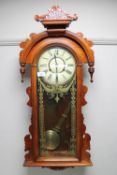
(56, 69)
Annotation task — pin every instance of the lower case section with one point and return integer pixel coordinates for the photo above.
(53, 163)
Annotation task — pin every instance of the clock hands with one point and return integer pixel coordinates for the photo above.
(56, 64)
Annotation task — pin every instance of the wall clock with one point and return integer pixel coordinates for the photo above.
(57, 135)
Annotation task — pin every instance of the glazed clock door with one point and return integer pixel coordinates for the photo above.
(56, 78)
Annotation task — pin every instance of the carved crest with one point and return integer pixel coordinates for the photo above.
(54, 15)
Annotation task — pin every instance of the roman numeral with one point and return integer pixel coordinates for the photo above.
(46, 70)
(68, 71)
(56, 52)
(64, 77)
(50, 76)
(68, 58)
(63, 53)
(56, 78)
(50, 53)
(43, 65)
(70, 65)
(45, 58)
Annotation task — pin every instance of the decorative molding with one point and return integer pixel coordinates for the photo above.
(56, 13)
(56, 17)
(16, 42)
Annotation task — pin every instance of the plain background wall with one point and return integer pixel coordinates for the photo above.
(97, 19)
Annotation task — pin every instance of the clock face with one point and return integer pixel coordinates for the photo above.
(56, 66)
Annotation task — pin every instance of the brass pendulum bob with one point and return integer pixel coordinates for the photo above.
(53, 136)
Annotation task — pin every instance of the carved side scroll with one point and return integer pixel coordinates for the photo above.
(28, 137)
(90, 60)
(85, 155)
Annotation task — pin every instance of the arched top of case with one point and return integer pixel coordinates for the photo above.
(56, 21)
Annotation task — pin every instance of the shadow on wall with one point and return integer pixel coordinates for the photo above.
(67, 171)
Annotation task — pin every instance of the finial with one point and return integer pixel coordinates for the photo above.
(56, 16)
(91, 71)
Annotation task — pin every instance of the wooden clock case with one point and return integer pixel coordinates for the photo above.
(80, 47)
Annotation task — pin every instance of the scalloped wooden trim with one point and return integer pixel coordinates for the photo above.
(85, 155)
(83, 139)
(28, 44)
(28, 91)
(84, 43)
(28, 137)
